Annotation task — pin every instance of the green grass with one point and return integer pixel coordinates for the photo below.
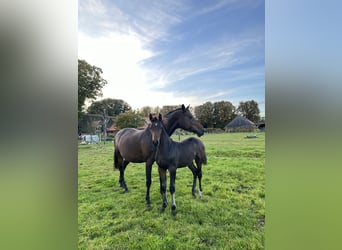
(230, 214)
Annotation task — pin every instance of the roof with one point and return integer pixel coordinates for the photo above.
(240, 122)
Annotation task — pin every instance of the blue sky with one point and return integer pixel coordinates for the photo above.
(156, 53)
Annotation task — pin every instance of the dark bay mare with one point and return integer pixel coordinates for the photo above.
(171, 155)
(133, 145)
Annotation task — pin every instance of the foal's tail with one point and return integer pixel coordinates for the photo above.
(202, 155)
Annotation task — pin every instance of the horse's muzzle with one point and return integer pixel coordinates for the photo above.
(200, 133)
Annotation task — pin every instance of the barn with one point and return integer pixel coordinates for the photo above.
(240, 124)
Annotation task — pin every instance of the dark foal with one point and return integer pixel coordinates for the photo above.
(171, 155)
(133, 145)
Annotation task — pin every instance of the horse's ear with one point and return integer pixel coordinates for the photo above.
(188, 106)
(160, 117)
(183, 107)
(151, 117)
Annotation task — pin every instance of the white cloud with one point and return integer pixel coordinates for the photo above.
(119, 57)
(216, 6)
(201, 59)
(93, 6)
(149, 20)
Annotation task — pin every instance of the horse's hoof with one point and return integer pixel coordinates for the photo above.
(200, 194)
(162, 210)
(173, 210)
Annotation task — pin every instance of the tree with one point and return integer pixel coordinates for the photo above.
(146, 110)
(204, 114)
(90, 83)
(156, 110)
(129, 120)
(250, 110)
(223, 113)
(113, 107)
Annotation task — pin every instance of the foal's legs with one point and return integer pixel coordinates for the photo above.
(162, 178)
(172, 171)
(194, 173)
(149, 164)
(199, 174)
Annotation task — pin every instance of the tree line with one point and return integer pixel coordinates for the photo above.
(209, 114)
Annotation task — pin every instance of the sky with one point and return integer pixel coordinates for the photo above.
(163, 52)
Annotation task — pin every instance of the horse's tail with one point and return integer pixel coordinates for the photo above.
(116, 155)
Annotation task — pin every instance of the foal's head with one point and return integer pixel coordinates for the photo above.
(156, 127)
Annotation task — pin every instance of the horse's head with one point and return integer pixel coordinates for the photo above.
(156, 128)
(188, 122)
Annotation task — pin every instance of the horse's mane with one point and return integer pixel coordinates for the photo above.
(173, 111)
(168, 116)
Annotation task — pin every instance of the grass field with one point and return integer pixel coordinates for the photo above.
(230, 214)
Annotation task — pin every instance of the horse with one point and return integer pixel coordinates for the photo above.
(171, 155)
(133, 145)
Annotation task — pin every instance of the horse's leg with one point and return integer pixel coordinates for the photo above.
(172, 171)
(118, 162)
(149, 164)
(122, 175)
(194, 174)
(162, 178)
